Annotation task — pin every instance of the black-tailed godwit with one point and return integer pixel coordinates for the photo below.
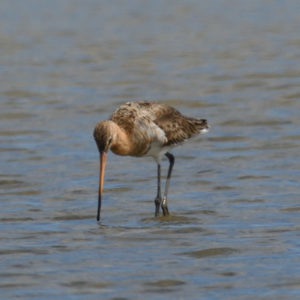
(145, 129)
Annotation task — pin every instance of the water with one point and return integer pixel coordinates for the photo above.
(234, 197)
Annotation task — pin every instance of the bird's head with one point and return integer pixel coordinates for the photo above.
(104, 135)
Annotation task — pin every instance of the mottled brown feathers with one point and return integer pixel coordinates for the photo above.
(145, 128)
(149, 120)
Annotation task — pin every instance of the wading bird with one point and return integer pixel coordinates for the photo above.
(145, 129)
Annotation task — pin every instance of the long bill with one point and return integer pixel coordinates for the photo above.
(101, 179)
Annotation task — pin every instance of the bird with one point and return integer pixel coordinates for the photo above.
(141, 129)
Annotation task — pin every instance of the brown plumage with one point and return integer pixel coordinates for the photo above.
(145, 129)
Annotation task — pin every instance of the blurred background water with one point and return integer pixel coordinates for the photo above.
(234, 198)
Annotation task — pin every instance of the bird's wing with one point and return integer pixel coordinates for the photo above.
(148, 122)
(177, 128)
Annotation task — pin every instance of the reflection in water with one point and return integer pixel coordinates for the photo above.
(210, 252)
(234, 228)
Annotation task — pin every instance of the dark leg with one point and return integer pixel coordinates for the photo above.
(157, 200)
(164, 204)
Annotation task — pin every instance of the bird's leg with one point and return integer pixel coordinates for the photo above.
(157, 200)
(164, 205)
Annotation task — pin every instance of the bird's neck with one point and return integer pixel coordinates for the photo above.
(121, 144)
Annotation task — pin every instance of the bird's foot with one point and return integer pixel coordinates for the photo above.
(157, 202)
(164, 207)
(165, 211)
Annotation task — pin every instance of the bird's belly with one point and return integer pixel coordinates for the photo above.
(157, 151)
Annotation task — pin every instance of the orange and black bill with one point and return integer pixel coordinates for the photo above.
(101, 179)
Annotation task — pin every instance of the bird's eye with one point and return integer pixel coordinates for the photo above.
(109, 140)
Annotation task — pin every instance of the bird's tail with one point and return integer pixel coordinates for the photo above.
(199, 125)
